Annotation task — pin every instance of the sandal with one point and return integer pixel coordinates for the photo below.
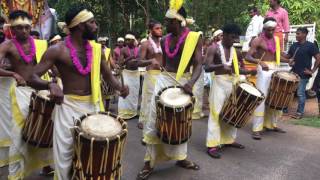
(48, 172)
(214, 152)
(188, 165)
(276, 129)
(144, 174)
(296, 116)
(256, 135)
(235, 145)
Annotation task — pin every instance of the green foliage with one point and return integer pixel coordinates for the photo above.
(114, 16)
(311, 121)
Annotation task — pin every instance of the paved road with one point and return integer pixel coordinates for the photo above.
(291, 156)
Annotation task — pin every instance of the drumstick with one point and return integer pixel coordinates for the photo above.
(295, 53)
(164, 69)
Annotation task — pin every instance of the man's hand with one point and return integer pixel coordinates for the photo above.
(188, 88)
(307, 72)
(124, 91)
(291, 62)
(264, 66)
(227, 69)
(155, 63)
(56, 94)
(20, 80)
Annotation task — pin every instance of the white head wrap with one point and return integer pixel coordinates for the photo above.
(173, 14)
(270, 23)
(57, 37)
(21, 21)
(130, 36)
(81, 17)
(105, 38)
(217, 32)
(120, 39)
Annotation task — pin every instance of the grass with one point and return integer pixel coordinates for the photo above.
(309, 121)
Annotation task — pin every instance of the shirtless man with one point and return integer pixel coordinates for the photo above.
(220, 60)
(21, 54)
(263, 52)
(174, 46)
(150, 56)
(72, 59)
(128, 107)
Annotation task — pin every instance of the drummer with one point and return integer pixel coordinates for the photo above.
(300, 57)
(263, 52)
(150, 56)
(81, 84)
(15, 51)
(224, 64)
(156, 150)
(128, 107)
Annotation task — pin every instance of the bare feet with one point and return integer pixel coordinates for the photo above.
(256, 135)
(47, 171)
(145, 172)
(214, 152)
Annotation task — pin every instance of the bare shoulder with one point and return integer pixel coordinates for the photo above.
(7, 45)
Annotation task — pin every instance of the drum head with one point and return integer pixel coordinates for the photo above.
(44, 94)
(287, 75)
(101, 125)
(175, 97)
(250, 89)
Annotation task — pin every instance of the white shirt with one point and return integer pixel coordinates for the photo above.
(255, 27)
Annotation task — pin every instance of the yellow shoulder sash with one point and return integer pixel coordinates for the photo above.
(41, 47)
(235, 62)
(107, 53)
(188, 50)
(278, 49)
(95, 75)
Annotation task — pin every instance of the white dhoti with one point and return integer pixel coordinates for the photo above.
(149, 82)
(157, 150)
(5, 121)
(198, 90)
(30, 157)
(219, 132)
(128, 107)
(263, 115)
(64, 116)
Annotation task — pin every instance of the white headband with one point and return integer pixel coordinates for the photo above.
(120, 39)
(103, 39)
(173, 14)
(130, 36)
(57, 37)
(217, 32)
(269, 24)
(20, 21)
(81, 17)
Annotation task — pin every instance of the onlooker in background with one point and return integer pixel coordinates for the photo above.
(35, 34)
(300, 58)
(217, 36)
(281, 16)
(117, 50)
(255, 27)
(54, 39)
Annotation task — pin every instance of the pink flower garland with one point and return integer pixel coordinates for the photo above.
(181, 40)
(136, 52)
(27, 58)
(271, 44)
(75, 59)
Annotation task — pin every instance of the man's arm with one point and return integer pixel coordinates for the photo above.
(197, 65)
(209, 60)
(47, 61)
(253, 50)
(108, 77)
(143, 61)
(4, 50)
(286, 26)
